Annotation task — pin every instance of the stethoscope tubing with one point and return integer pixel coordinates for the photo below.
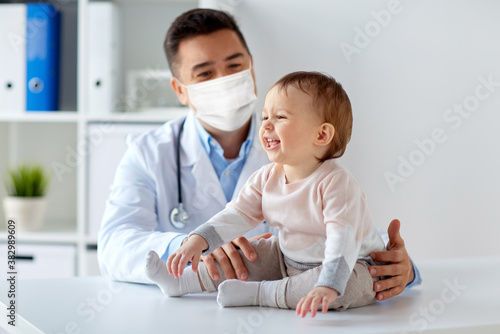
(179, 217)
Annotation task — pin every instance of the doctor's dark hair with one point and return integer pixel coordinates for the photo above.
(193, 23)
(330, 99)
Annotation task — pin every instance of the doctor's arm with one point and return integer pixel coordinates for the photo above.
(400, 270)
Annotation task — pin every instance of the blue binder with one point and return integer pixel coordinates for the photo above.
(42, 57)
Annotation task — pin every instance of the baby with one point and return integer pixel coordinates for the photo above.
(326, 234)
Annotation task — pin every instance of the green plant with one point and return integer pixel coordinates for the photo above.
(27, 180)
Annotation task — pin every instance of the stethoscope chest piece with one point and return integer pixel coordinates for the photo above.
(179, 217)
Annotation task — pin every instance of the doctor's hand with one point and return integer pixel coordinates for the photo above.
(230, 260)
(190, 251)
(399, 268)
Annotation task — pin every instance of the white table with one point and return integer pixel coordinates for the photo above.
(459, 296)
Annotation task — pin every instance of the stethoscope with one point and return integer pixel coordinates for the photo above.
(179, 217)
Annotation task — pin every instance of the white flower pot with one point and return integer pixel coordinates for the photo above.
(27, 212)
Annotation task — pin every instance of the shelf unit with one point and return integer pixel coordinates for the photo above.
(52, 137)
(42, 117)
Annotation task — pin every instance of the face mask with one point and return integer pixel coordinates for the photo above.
(224, 103)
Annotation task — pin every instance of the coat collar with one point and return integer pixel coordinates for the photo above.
(194, 156)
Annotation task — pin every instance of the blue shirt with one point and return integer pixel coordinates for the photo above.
(228, 171)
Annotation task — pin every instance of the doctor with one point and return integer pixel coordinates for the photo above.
(175, 178)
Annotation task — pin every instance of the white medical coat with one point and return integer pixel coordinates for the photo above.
(137, 215)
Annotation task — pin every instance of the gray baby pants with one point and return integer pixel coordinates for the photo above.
(296, 283)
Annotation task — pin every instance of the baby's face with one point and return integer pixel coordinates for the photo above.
(289, 126)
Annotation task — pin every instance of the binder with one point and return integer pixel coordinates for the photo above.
(29, 57)
(12, 58)
(103, 58)
(42, 57)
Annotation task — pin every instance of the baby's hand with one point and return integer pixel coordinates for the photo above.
(190, 251)
(319, 295)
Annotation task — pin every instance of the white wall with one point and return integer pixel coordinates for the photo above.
(429, 56)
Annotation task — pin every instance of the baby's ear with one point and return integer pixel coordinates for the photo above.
(326, 131)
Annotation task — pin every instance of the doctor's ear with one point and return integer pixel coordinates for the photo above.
(326, 131)
(180, 91)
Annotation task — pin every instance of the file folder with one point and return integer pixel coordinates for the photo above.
(42, 57)
(103, 58)
(29, 57)
(12, 58)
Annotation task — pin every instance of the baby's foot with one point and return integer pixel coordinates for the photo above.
(157, 272)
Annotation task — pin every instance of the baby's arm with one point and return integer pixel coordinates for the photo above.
(190, 251)
(320, 295)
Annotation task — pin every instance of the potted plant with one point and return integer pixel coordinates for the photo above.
(26, 189)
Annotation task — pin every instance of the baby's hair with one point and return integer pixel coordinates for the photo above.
(330, 99)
